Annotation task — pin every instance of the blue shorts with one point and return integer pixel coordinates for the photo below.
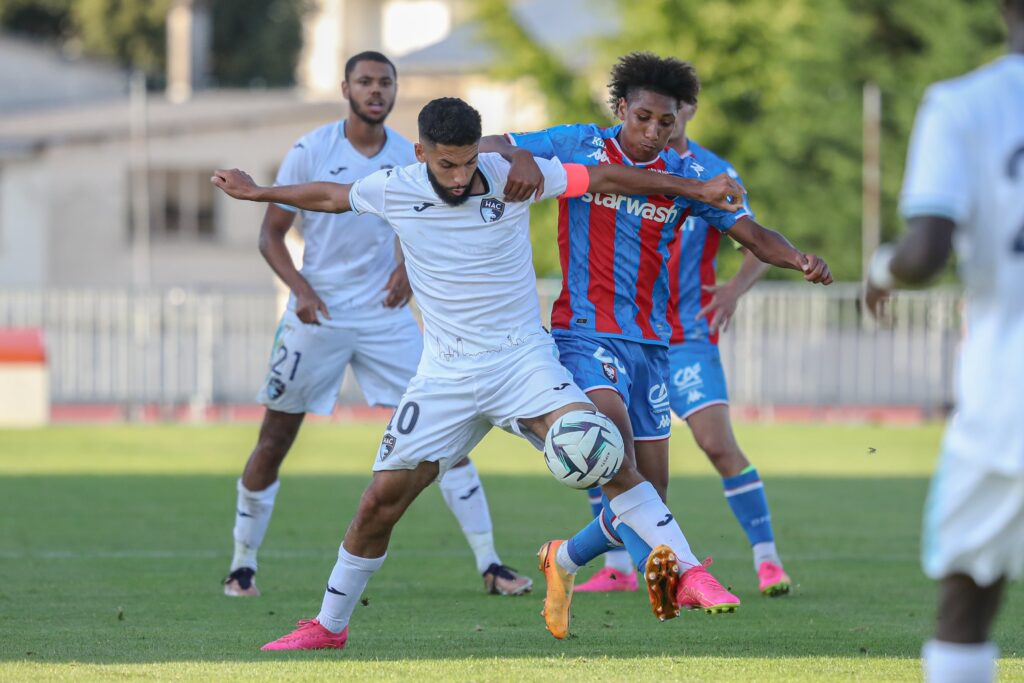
(697, 379)
(637, 371)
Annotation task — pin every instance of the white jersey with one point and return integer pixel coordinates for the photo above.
(966, 163)
(470, 266)
(348, 259)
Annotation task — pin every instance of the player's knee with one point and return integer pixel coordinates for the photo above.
(377, 511)
(721, 450)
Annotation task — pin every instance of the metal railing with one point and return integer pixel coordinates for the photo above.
(789, 344)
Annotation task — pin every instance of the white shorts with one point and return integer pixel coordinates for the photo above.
(307, 363)
(973, 522)
(442, 420)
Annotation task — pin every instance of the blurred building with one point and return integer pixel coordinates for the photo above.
(83, 202)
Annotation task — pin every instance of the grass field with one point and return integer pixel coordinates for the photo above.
(113, 541)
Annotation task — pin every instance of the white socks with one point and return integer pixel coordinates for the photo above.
(620, 561)
(959, 662)
(252, 517)
(348, 580)
(563, 560)
(643, 511)
(464, 494)
(765, 552)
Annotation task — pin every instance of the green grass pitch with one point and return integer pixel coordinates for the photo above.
(113, 541)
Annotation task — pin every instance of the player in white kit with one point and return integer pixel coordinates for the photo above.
(487, 359)
(348, 307)
(964, 187)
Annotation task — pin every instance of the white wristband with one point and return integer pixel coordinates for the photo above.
(879, 273)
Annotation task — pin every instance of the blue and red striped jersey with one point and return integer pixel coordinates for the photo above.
(613, 248)
(694, 258)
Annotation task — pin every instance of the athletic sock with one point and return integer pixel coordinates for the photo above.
(946, 662)
(642, 516)
(564, 559)
(252, 516)
(593, 540)
(745, 494)
(619, 560)
(464, 493)
(344, 588)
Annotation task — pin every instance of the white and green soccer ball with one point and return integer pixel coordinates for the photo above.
(583, 449)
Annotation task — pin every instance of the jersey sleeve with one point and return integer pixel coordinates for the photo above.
(555, 177)
(367, 195)
(296, 168)
(720, 219)
(937, 181)
(559, 142)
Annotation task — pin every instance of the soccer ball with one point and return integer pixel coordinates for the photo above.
(583, 449)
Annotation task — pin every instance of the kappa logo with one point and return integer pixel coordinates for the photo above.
(688, 377)
(665, 421)
(275, 388)
(610, 372)
(697, 167)
(387, 445)
(491, 209)
(694, 396)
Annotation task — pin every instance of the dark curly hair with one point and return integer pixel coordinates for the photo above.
(449, 121)
(647, 71)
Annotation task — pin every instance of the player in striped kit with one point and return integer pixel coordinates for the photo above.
(610, 321)
(698, 311)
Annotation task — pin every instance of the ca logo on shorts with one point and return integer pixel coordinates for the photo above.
(688, 377)
(387, 445)
(491, 209)
(657, 396)
(275, 388)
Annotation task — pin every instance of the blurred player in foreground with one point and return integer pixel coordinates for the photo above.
(487, 361)
(348, 307)
(698, 311)
(964, 187)
(611, 319)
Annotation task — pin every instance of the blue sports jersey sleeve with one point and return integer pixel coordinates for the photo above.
(705, 167)
(558, 142)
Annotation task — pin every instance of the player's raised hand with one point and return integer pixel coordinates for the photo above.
(235, 183)
(308, 304)
(397, 287)
(524, 179)
(720, 309)
(723, 192)
(815, 269)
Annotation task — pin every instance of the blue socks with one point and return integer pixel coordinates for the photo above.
(601, 535)
(745, 494)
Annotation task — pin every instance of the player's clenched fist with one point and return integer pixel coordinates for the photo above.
(815, 269)
(723, 192)
(235, 183)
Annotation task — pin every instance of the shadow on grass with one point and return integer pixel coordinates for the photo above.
(117, 569)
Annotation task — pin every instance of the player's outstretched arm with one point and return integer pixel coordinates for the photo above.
(721, 192)
(322, 197)
(771, 247)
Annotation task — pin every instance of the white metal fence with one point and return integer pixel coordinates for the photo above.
(790, 344)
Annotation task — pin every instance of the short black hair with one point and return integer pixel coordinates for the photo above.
(449, 121)
(368, 56)
(647, 71)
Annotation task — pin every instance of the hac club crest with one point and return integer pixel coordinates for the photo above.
(491, 209)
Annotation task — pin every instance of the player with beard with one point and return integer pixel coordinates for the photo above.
(611, 320)
(348, 306)
(487, 360)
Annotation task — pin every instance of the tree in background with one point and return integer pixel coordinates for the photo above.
(781, 96)
(254, 43)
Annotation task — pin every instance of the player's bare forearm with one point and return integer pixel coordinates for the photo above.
(923, 252)
(276, 224)
(773, 248)
(721, 191)
(751, 270)
(321, 196)
(500, 145)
